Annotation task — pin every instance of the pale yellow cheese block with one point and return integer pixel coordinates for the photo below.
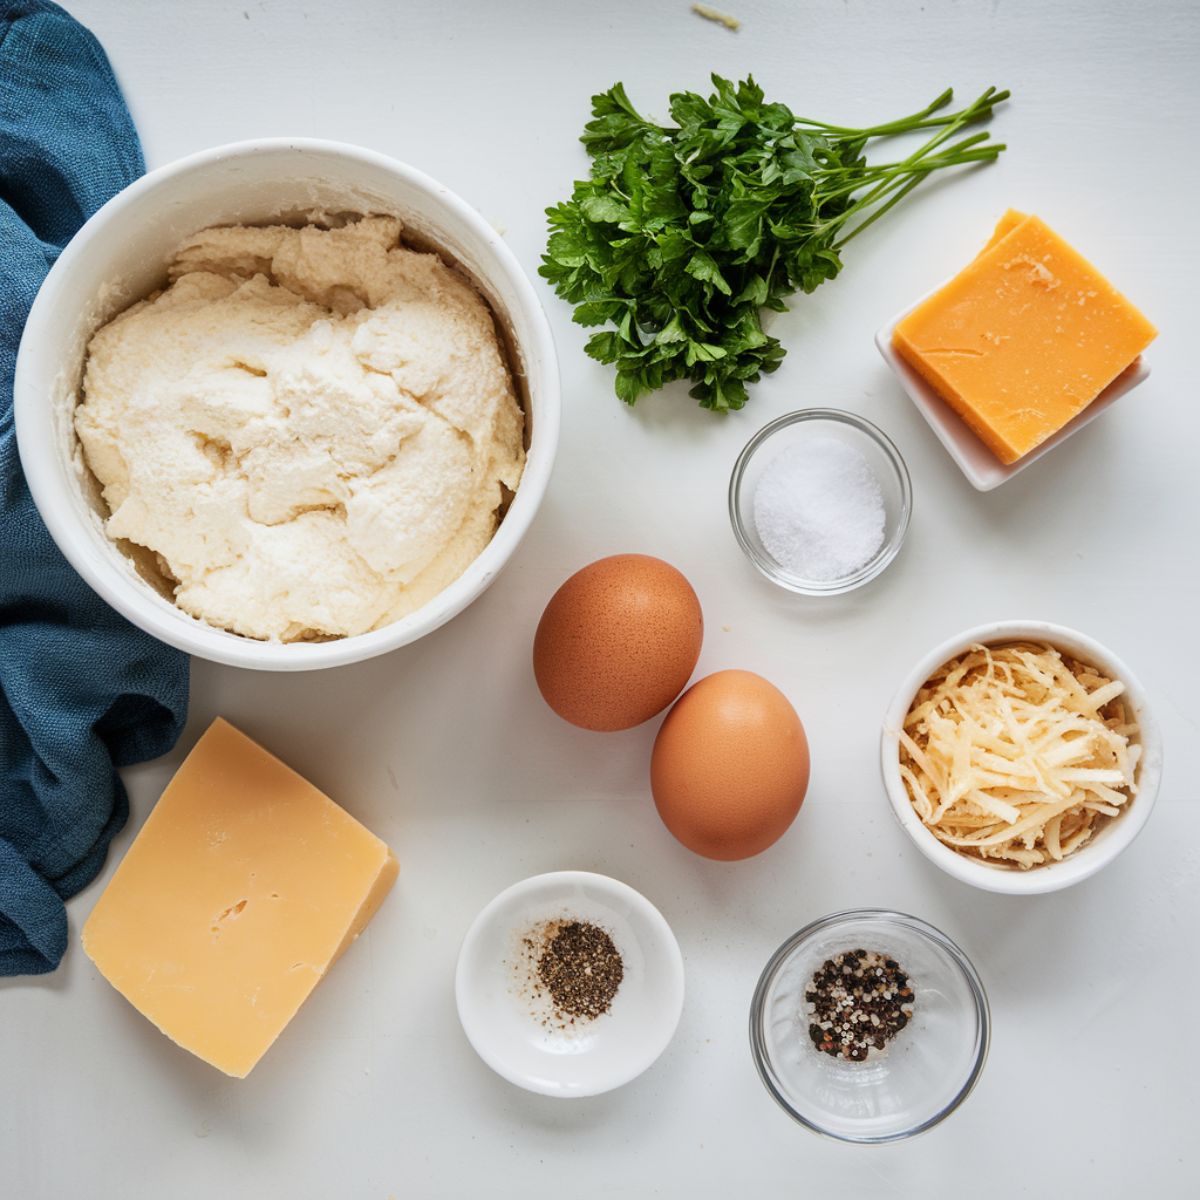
(242, 889)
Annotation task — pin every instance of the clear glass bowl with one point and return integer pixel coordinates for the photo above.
(792, 430)
(921, 1076)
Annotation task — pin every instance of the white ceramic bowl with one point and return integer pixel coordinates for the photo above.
(120, 255)
(1110, 841)
(503, 1025)
(981, 467)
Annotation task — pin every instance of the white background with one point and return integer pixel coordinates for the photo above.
(447, 751)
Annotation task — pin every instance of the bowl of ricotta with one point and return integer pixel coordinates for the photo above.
(287, 404)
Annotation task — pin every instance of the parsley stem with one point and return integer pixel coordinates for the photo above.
(896, 180)
(965, 144)
(882, 130)
(897, 196)
(968, 150)
(924, 119)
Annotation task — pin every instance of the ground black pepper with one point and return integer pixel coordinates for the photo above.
(857, 1002)
(577, 966)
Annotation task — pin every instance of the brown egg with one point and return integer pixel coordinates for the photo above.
(730, 766)
(618, 642)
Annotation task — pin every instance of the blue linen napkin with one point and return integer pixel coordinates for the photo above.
(82, 691)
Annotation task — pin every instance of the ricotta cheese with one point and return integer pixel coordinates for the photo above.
(313, 429)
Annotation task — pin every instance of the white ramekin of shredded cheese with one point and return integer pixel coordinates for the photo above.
(121, 256)
(1026, 767)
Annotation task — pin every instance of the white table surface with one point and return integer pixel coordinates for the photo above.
(446, 750)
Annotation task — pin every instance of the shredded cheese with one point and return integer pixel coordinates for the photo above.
(1017, 755)
(719, 18)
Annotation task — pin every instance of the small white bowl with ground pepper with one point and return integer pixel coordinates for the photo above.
(569, 984)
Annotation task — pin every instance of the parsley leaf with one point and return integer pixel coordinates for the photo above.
(683, 234)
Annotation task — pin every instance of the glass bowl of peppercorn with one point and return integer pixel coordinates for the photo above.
(869, 1026)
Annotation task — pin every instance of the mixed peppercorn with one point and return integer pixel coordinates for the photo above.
(857, 1003)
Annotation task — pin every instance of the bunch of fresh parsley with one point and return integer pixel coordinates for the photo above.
(683, 234)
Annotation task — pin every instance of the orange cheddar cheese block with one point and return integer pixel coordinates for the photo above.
(1024, 338)
(1004, 227)
(242, 889)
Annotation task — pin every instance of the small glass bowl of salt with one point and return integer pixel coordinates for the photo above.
(820, 501)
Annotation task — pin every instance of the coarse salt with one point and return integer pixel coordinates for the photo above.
(819, 511)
